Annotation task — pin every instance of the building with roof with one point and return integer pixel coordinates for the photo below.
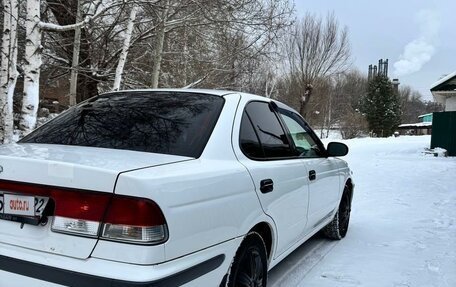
(444, 123)
(444, 92)
(426, 118)
(423, 127)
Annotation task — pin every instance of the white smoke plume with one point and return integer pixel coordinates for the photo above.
(419, 51)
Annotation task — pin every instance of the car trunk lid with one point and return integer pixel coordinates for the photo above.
(31, 170)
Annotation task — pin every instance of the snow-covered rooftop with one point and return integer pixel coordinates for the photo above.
(416, 125)
(422, 116)
(443, 80)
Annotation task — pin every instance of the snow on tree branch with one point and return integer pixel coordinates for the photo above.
(59, 28)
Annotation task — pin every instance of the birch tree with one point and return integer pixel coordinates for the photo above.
(33, 56)
(159, 44)
(101, 32)
(75, 60)
(125, 49)
(32, 66)
(8, 69)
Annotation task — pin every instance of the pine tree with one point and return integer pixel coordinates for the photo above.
(382, 107)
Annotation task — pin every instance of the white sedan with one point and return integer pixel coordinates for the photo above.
(167, 188)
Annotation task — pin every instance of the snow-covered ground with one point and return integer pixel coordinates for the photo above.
(403, 225)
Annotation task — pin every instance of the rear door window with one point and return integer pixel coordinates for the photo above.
(250, 143)
(157, 122)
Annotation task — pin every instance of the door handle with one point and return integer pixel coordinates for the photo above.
(266, 185)
(312, 175)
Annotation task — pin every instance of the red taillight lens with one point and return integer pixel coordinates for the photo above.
(94, 214)
(134, 211)
(80, 205)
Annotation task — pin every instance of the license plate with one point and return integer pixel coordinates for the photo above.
(22, 205)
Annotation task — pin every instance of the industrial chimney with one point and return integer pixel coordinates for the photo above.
(396, 86)
(380, 70)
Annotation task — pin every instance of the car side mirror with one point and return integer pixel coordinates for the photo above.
(337, 149)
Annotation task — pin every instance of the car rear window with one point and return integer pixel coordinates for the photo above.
(158, 122)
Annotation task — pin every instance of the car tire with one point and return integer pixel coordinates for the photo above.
(338, 227)
(250, 265)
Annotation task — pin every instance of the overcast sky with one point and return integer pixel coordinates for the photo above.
(418, 37)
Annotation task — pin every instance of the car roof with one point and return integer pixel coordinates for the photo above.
(213, 92)
(219, 93)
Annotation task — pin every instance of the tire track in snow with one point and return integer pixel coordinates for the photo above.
(295, 267)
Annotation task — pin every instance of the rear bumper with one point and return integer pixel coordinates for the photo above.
(24, 267)
(71, 278)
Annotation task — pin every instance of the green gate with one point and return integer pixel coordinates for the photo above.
(444, 131)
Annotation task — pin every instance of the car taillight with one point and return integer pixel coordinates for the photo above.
(78, 212)
(112, 217)
(97, 214)
(132, 219)
(75, 226)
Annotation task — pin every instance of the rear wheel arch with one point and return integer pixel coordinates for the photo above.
(250, 264)
(264, 229)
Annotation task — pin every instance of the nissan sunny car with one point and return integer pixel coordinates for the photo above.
(167, 188)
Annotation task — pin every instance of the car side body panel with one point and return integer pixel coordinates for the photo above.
(205, 202)
(324, 190)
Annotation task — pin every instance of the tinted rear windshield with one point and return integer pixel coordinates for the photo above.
(158, 122)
